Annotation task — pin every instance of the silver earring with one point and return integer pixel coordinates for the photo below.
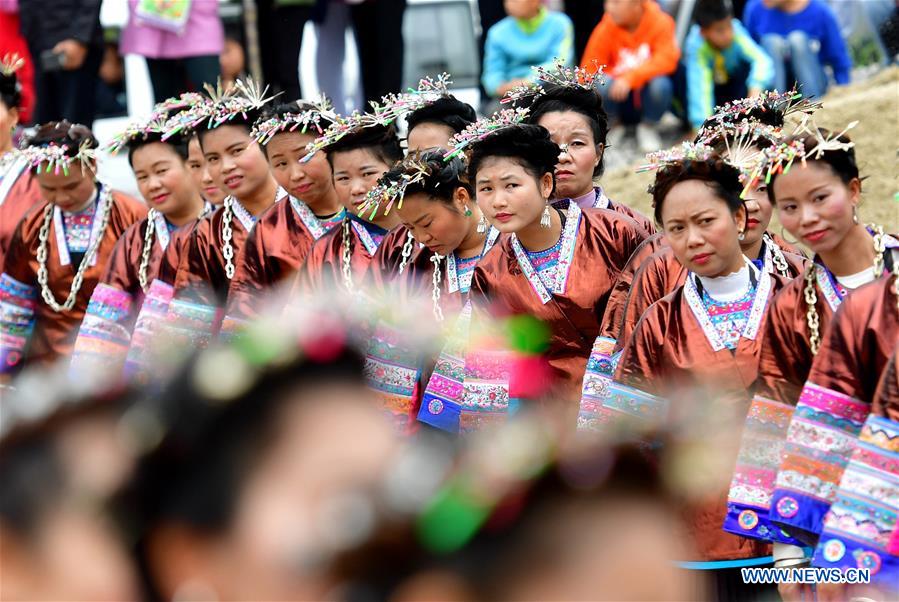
(741, 236)
(855, 215)
(483, 224)
(545, 221)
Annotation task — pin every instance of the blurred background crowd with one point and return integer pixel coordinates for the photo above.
(94, 60)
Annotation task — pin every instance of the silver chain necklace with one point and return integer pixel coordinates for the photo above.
(346, 256)
(148, 247)
(435, 290)
(42, 272)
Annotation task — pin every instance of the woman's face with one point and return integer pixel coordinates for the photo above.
(305, 493)
(74, 551)
(758, 215)
(439, 225)
(580, 156)
(355, 173)
(199, 171)
(701, 229)
(311, 182)
(509, 196)
(9, 118)
(68, 192)
(429, 135)
(163, 178)
(815, 205)
(236, 163)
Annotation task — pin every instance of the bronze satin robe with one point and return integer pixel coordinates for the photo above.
(659, 275)
(669, 352)
(24, 195)
(54, 333)
(859, 342)
(385, 263)
(614, 316)
(323, 269)
(886, 397)
(273, 253)
(123, 266)
(499, 288)
(201, 269)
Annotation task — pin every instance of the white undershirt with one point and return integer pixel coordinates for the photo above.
(853, 281)
(732, 287)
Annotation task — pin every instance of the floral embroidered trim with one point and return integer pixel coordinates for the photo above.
(566, 255)
(755, 314)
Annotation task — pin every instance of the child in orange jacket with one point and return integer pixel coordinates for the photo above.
(636, 42)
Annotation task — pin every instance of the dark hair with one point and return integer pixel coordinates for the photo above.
(721, 177)
(10, 90)
(841, 162)
(446, 110)
(708, 12)
(33, 480)
(209, 445)
(528, 144)
(178, 143)
(72, 135)
(444, 178)
(512, 538)
(578, 100)
(279, 111)
(380, 140)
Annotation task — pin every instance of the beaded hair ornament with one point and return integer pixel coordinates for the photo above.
(482, 128)
(383, 113)
(156, 124)
(11, 63)
(221, 106)
(557, 75)
(308, 119)
(390, 192)
(58, 158)
(779, 158)
(786, 103)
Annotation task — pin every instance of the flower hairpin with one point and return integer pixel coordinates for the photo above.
(56, 158)
(160, 121)
(482, 128)
(390, 192)
(307, 120)
(11, 63)
(558, 75)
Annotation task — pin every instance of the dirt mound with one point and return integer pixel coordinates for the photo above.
(874, 103)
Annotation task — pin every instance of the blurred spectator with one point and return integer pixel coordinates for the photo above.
(586, 15)
(111, 99)
(889, 33)
(636, 42)
(332, 18)
(281, 25)
(490, 12)
(181, 51)
(253, 482)
(378, 25)
(530, 35)
(59, 463)
(12, 42)
(66, 42)
(233, 61)
(802, 37)
(722, 61)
